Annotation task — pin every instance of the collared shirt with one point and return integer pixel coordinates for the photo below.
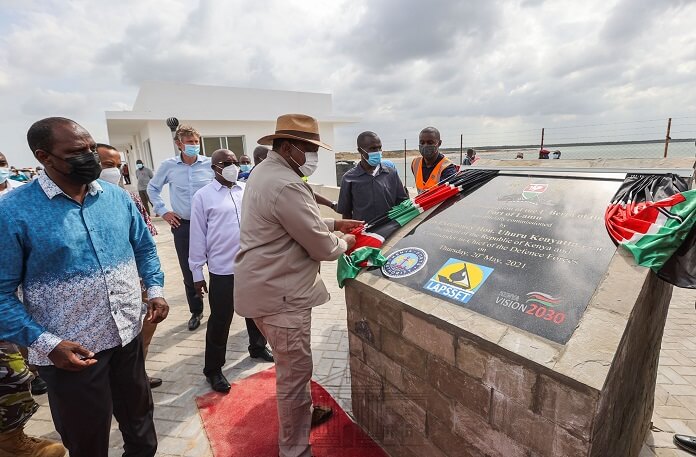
(143, 175)
(77, 266)
(184, 181)
(282, 242)
(365, 196)
(11, 185)
(214, 235)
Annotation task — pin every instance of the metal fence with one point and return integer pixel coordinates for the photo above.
(652, 138)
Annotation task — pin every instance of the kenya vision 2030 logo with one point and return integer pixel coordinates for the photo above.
(405, 262)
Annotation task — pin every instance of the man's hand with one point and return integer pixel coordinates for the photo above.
(70, 356)
(172, 219)
(200, 287)
(349, 239)
(347, 225)
(157, 310)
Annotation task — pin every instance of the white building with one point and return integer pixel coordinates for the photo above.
(227, 117)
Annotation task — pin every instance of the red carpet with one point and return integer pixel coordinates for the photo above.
(244, 423)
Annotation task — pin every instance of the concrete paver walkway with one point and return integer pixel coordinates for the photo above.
(176, 355)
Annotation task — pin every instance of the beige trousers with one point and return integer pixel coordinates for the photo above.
(289, 335)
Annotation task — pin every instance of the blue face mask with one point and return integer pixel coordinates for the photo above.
(192, 150)
(374, 158)
(245, 167)
(4, 174)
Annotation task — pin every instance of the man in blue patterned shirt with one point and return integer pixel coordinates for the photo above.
(76, 246)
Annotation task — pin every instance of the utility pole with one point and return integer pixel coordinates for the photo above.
(461, 149)
(667, 138)
(405, 165)
(542, 139)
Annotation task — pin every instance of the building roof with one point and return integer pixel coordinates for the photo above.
(160, 100)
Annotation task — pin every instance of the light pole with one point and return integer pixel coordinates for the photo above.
(173, 123)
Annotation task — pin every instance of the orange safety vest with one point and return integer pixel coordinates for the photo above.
(434, 178)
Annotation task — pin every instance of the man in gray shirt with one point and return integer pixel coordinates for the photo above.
(143, 175)
(369, 189)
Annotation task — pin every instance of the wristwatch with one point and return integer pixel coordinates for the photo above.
(333, 206)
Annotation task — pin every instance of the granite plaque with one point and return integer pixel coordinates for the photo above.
(525, 250)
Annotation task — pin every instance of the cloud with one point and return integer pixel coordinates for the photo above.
(497, 71)
(43, 101)
(396, 31)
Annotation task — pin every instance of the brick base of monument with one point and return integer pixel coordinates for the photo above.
(422, 386)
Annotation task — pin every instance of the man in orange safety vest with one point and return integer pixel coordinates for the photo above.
(432, 167)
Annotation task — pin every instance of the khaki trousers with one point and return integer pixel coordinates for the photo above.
(289, 335)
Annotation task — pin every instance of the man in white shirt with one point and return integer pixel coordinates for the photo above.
(215, 220)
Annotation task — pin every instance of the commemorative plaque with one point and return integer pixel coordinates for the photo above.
(527, 250)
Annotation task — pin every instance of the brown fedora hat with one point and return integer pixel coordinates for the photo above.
(296, 127)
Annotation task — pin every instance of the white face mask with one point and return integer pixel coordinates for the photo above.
(112, 175)
(311, 162)
(230, 173)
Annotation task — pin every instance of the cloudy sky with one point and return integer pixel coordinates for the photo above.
(495, 71)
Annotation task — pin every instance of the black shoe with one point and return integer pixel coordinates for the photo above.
(219, 383)
(263, 354)
(38, 386)
(195, 321)
(154, 382)
(685, 442)
(321, 414)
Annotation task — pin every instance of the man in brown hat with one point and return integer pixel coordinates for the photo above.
(283, 241)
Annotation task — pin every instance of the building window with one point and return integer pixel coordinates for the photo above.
(210, 144)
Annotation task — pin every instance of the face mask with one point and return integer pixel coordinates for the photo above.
(112, 175)
(4, 174)
(427, 151)
(192, 150)
(84, 168)
(230, 173)
(311, 162)
(139, 166)
(374, 158)
(245, 168)
(556, 156)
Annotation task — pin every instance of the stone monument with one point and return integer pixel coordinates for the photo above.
(507, 324)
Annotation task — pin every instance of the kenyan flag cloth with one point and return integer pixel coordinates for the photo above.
(370, 237)
(651, 216)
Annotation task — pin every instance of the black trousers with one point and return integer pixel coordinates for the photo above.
(82, 403)
(181, 244)
(221, 299)
(145, 198)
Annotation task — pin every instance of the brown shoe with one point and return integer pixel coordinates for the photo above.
(321, 414)
(16, 443)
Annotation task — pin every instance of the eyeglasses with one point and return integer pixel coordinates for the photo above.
(226, 164)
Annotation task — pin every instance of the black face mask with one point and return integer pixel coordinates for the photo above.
(428, 151)
(84, 168)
